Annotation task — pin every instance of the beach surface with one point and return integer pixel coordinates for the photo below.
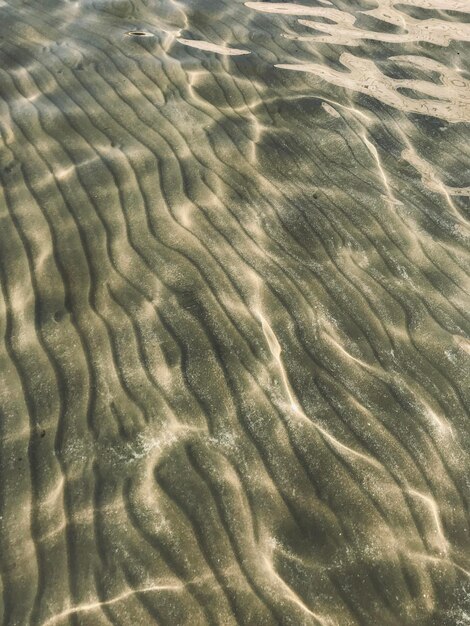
(234, 313)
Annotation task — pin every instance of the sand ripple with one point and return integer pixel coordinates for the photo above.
(234, 313)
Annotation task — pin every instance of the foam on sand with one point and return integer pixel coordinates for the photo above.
(211, 47)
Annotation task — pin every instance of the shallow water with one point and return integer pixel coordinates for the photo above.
(234, 313)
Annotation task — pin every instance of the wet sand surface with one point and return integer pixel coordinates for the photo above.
(234, 313)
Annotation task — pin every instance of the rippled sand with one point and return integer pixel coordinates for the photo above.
(234, 313)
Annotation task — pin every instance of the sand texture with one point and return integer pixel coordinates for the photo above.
(234, 313)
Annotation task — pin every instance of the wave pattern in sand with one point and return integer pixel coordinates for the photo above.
(234, 313)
